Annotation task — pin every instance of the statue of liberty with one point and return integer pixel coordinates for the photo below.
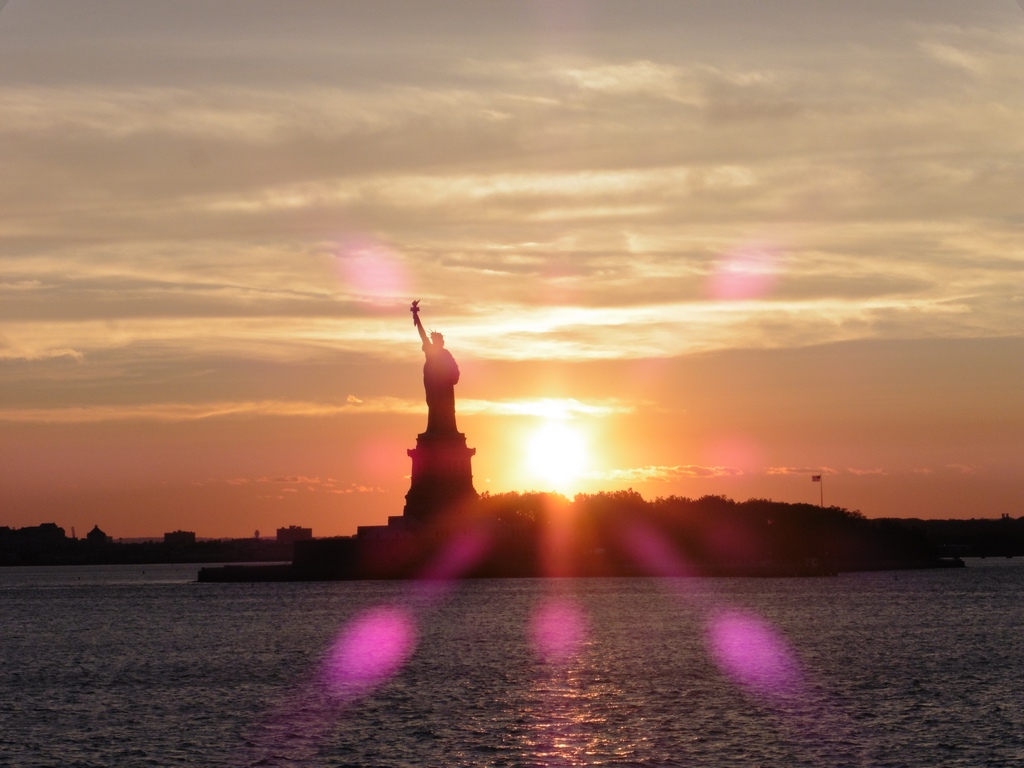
(440, 375)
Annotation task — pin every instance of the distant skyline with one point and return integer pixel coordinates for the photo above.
(685, 248)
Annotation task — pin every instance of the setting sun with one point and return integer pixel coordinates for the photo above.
(556, 454)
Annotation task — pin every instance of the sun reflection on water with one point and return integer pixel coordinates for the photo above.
(558, 628)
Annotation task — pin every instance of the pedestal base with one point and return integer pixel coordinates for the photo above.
(442, 475)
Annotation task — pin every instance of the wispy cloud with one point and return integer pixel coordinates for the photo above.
(295, 483)
(552, 408)
(175, 412)
(809, 471)
(664, 473)
(963, 469)
(955, 57)
(159, 201)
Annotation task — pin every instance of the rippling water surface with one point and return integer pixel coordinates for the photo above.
(141, 666)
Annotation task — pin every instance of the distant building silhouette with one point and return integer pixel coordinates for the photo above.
(180, 538)
(398, 527)
(293, 533)
(96, 536)
(32, 544)
(47, 534)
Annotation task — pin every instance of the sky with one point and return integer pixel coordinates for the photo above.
(686, 248)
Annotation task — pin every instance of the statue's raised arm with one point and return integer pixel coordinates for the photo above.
(415, 309)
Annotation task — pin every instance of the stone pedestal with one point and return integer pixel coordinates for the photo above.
(442, 475)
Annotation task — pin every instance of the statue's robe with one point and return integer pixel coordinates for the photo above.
(440, 375)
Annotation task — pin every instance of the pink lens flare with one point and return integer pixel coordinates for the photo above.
(752, 653)
(734, 451)
(558, 628)
(745, 273)
(370, 650)
(376, 456)
(372, 272)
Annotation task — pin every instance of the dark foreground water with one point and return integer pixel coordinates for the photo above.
(141, 666)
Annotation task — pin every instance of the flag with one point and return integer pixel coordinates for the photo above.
(815, 478)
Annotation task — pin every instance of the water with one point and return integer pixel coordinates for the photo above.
(141, 666)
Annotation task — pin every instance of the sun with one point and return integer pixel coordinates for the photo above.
(557, 455)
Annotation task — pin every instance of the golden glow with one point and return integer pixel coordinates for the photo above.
(609, 244)
(556, 455)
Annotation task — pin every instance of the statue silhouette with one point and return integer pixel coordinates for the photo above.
(440, 375)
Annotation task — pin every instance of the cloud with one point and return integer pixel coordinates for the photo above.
(963, 469)
(808, 471)
(633, 77)
(574, 207)
(270, 331)
(745, 97)
(665, 473)
(955, 57)
(311, 484)
(21, 351)
(291, 479)
(357, 488)
(551, 408)
(21, 285)
(177, 412)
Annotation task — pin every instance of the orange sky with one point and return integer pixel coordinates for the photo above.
(706, 247)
